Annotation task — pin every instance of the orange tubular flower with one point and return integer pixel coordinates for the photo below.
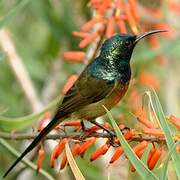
(57, 151)
(140, 146)
(122, 26)
(101, 151)
(153, 132)
(89, 24)
(130, 18)
(75, 151)
(72, 123)
(141, 117)
(69, 83)
(80, 34)
(151, 152)
(104, 6)
(107, 125)
(174, 6)
(76, 56)
(154, 159)
(174, 120)
(129, 134)
(96, 3)
(88, 40)
(117, 154)
(110, 27)
(86, 145)
(149, 80)
(40, 158)
(134, 9)
(119, 4)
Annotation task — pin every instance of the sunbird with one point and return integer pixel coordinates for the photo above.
(103, 82)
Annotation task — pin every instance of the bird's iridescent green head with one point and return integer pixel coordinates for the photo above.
(121, 46)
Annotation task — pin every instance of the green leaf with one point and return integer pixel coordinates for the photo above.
(168, 135)
(76, 171)
(165, 165)
(25, 160)
(5, 19)
(9, 124)
(141, 168)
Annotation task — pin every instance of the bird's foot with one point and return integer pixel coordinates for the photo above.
(112, 140)
(81, 136)
(111, 133)
(112, 143)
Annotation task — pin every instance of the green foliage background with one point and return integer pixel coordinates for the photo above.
(41, 31)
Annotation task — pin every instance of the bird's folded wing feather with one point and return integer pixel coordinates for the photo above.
(85, 91)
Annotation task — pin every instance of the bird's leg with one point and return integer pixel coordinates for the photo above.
(112, 134)
(83, 129)
(83, 126)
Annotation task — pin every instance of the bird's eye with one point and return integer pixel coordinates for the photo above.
(127, 43)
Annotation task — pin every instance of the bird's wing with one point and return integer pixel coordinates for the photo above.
(86, 90)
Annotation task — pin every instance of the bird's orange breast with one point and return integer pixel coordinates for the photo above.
(95, 110)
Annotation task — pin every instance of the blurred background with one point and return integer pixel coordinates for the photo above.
(33, 37)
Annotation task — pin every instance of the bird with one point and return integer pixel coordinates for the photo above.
(103, 82)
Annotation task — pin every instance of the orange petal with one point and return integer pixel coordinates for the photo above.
(153, 132)
(140, 146)
(129, 134)
(122, 26)
(175, 120)
(89, 24)
(72, 123)
(117, 154)
(100, 151)
(110, 27)
(40, 158)
(141, 117)
(130, 18)
(149, 80)
(76, 56)
(75, 151)
(80, 34)
(104, 6)
(86, 145)
(174, 6)
(57, 151)
(134, 9)
(69, 83)
(154, 159)
(88, 40)
(151, 152)
(119, 4)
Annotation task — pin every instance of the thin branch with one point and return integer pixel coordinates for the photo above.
(19, 70)
(24, 136)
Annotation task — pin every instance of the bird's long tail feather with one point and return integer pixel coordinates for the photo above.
(54, 122)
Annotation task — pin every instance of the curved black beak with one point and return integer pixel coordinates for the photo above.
(141, 36)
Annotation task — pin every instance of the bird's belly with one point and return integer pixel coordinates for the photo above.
(95, 110)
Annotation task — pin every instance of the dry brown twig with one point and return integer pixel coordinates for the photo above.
(19, 70)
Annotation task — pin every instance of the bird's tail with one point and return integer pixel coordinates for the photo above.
(54, 122)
